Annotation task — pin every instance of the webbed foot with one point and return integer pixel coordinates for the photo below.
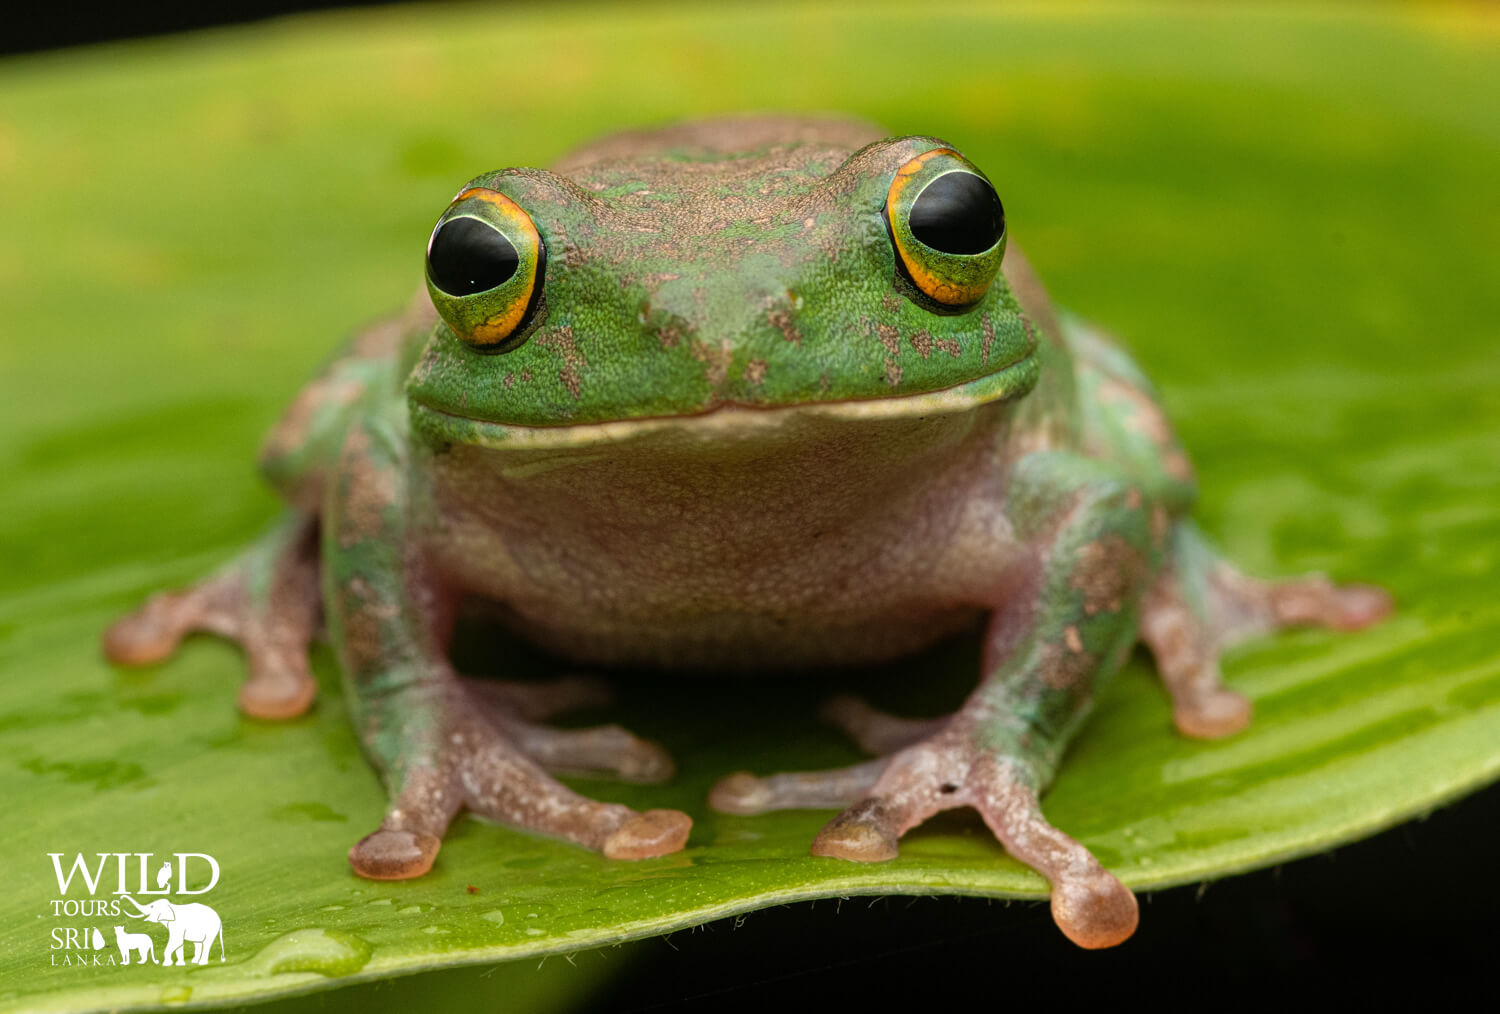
(938, 765)
(267, 600)
(476, 744)
(1200, 606)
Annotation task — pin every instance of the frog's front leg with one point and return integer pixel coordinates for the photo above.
(1065, 621)
(266, 599)
(440, 742)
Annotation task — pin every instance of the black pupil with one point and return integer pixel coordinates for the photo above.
(468, 256)
(958, 213)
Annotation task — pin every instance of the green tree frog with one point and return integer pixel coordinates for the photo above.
(739, 394)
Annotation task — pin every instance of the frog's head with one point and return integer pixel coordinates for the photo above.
(688, 281)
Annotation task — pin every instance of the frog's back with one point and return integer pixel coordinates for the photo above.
(716, 139)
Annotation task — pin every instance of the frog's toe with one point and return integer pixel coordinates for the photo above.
(407, 841)
(740, 793)
(393, 854)
(280, 684)
(1212, 714)
(152, 633)
(144, 637)
(649, 834)
(906, 788)
(604, 748)
(283, 687)
(744, 794)
(874, 731)
(1094, 910)
(1090, 906)
(1317, 601)
(864, 833)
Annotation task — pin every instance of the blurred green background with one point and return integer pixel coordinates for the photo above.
(1287, 211)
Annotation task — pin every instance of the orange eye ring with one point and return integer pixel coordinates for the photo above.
(486, 263)
(947, 226)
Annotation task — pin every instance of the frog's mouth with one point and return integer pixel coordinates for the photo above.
(728, 420)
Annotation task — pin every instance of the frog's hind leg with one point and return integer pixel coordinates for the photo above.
(267, 599)
(1200, 606)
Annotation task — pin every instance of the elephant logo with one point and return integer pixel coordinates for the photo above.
(195, 923)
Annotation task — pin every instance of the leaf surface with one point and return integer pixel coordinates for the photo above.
(1288, 217)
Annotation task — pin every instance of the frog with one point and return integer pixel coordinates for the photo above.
(748, 394)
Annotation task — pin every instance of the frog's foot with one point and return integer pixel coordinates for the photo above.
(1188, 623)
(267, 601)
(746, 795)
(889, 796)
(481, 755)
(513, 708)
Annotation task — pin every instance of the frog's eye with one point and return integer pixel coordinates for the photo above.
(948, 228)
(485, 266)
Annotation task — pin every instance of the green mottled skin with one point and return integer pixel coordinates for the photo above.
(734, 438)
(641, 319)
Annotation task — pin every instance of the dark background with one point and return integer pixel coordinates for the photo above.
(1418, 905)
(36, 26)
(1415, 907)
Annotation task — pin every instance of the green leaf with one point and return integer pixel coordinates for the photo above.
(1289, 217)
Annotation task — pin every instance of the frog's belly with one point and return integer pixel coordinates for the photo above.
(719, 602)
(806, 547)
(738, 640)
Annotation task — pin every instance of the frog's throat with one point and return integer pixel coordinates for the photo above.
(730, 420)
